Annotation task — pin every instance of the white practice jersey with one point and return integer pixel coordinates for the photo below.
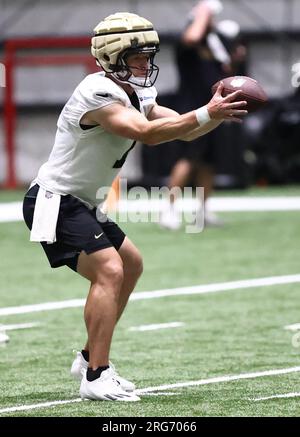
(83, 161)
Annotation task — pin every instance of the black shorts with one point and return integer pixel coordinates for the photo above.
(77, 230)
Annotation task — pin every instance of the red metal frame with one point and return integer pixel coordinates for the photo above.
(13, 59)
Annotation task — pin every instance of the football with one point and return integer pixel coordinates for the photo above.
(252, 91)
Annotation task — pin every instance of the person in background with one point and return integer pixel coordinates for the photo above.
(207, 52)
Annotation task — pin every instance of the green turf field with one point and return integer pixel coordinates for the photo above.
(224, 333)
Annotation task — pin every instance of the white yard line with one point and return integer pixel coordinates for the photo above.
(220, 204)
(163, 393)
(12, 211)
(221, 286)
(244, 203)
(196, 289)
(47, 306)
(221, 379)
(286, 395)
(156, 326)
(18, 326)
(35, 406)
(148, 390)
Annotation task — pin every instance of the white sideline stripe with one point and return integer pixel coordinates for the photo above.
(12, 211)
(35, 406)
(24, 309)
(157, 326)
(294, 327)
(221, 286)
(196, 289)
(219, 204)
(158, 388)
(163, 393)
(276, 203)
(220, 379)
(18, 326)
(286, 395)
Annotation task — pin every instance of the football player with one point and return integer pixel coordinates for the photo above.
(107, 113)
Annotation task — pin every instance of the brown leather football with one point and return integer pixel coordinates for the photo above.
(252, 91)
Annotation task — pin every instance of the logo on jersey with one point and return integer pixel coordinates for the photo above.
(103, 95)
(146, 98)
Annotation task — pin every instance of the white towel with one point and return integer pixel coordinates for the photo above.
(45, 217)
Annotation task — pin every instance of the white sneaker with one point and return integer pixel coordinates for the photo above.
(105, 388)
(4, 338)
(170, 219)
(124, 383)
(80, 365)
(212, 220)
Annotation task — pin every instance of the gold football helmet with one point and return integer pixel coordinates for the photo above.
(120, 35)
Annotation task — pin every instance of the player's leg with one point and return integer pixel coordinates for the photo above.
(132, 270)
(206, 168)
(205, 178)
(170, 217)
(104, 269)
(180, 175)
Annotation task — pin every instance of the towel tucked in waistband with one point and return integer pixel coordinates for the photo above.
(45, 217)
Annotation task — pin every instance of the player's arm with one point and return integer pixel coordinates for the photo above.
(196, 30)
(129, 123)
(161, 111)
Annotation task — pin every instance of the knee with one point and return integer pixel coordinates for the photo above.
(135, 266)
(111, 273)
(139, 265)
(114, 271)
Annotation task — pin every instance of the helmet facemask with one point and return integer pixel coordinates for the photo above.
(123, 69)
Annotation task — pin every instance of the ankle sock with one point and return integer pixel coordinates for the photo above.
(85, 355)
(91, 374)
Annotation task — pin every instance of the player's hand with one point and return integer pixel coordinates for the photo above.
(226, 108)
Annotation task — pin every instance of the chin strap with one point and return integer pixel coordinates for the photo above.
(135, 82)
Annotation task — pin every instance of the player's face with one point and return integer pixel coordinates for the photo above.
(138, 64)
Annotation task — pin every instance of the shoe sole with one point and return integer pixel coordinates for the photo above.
(111, 398)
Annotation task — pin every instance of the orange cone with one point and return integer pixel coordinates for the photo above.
(113, 197)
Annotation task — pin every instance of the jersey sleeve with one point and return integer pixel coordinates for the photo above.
(95, 93)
